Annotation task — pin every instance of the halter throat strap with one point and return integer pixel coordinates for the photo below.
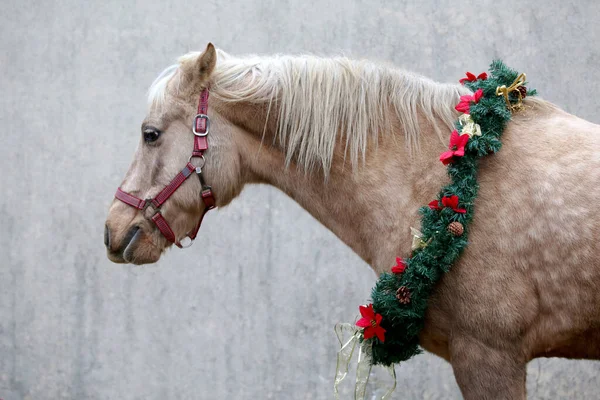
(200, 129)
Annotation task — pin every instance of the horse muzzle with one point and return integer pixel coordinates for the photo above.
(135, 246)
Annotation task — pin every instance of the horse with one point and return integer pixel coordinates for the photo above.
(356, 143)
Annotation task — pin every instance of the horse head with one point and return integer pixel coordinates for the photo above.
(158, 202)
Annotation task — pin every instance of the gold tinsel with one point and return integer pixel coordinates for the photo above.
(514, 87)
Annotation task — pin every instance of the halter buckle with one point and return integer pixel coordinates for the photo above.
(199, 117)
(147, 203)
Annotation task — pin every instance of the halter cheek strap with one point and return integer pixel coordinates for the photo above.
(200, 128)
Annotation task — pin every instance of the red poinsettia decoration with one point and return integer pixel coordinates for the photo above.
(456, 147)
(370, 322)
(452, 202)
(435, 205)
(399, 267)
(467, 99)
(472, 78)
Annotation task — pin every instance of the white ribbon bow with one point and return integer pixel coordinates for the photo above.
(363, 366)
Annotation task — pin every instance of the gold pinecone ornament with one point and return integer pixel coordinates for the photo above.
(456, 228)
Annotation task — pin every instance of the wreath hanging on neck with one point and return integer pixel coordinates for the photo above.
(389, 327)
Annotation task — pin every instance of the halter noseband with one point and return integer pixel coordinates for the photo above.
(200, 128)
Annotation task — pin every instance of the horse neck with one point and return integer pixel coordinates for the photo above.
(371, 207)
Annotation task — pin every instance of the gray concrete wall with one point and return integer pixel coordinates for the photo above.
(248, 312)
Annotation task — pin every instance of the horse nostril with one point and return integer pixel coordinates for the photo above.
(129, 243)
(122, 250)
(106, 236)
(130, 234)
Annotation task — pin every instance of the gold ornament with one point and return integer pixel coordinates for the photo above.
(514, 87)
(417, 240)
(469, 126)
(456, 228)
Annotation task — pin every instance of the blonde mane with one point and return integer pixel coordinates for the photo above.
(322, 100)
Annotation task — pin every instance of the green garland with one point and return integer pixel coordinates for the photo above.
(400, 299)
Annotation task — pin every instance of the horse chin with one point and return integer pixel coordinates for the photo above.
(117, 259)
(140, 250)
(141, 260)
(137, 257)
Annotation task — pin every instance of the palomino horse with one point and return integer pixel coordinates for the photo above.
(357, 145)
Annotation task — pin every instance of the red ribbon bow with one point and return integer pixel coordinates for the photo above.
(472, 78)
(399, 267)
(450, 202)
(467, 99)
(456, 148)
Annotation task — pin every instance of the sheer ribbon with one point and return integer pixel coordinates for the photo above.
(364, 362)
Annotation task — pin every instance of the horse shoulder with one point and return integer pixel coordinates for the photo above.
(528, 280)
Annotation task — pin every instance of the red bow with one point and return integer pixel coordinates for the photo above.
(450, 202)
(465, 101)
(435, 205)
(399, 267)
(456, 147)
(472, 78)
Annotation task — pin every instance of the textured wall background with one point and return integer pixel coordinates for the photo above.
(248, 312)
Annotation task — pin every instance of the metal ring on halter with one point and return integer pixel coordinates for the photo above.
(204, 117)
(198, 168)
(186, 243)
(147, 203)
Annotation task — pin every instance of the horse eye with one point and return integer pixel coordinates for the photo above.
(151, 135)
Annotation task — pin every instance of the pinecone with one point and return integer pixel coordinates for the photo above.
(403, 295)
(523, 91)
(456, 228)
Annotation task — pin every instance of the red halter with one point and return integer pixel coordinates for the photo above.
(200, 129)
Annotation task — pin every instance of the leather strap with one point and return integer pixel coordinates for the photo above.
(175, 183)
(201, 127)
(164, 228)
(130, 199)
(201, 124)
(208, 197)
(194, 232)
(200, 144)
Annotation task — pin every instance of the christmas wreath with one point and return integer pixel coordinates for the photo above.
(389, 328)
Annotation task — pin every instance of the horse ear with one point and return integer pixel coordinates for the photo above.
(206, 63)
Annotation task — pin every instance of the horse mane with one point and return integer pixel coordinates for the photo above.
(322, 100)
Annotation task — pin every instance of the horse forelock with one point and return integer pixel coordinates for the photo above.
(323, 100)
